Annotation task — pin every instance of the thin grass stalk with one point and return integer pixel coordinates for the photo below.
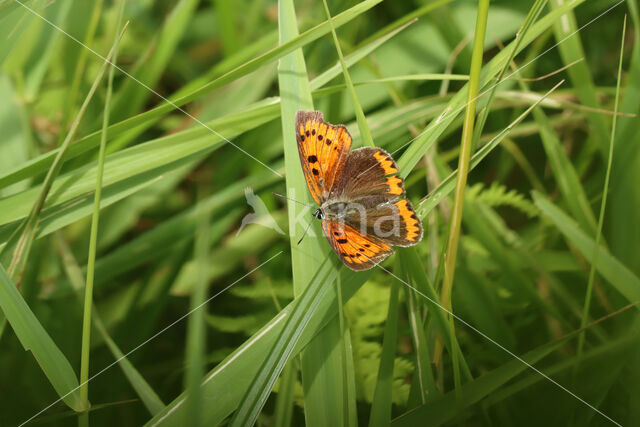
(365, 133)
(463, 170)
(343, 348)
(603, 205)
(93, 236)
(81, 64)
(196, 328)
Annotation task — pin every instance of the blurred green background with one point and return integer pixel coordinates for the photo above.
(173, 198)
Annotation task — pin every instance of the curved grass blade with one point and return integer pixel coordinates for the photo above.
(616, 273)
(35, 338)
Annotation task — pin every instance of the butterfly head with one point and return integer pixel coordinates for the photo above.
(318, 214)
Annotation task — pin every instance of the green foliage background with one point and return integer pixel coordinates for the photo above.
(275, 339)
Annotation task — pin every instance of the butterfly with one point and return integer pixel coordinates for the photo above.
(359, 193)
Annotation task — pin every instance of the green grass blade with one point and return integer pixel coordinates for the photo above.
(35, 338)
(622, 231)
(196, 333)
(93, 238)
(284, 402)
(619, 276)
(603, 203)
(463, 170)
(323, 406)
(381, 404)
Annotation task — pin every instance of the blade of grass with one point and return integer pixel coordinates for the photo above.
(463, 170)
(622, 231)
(196, 332)
(50, 40)
(15, 253)
(603, 203)
(21, 23)
(619, 276)
(35, 338)
(426, 384)
(93, 236)
(381, 404)
(284, 403)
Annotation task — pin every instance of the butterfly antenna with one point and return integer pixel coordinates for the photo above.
(293, 200)
(305, 232)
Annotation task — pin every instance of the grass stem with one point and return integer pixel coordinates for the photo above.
(93, 238)
(463, 168)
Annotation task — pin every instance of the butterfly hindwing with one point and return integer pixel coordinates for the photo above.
(323, 150)
(357, 251)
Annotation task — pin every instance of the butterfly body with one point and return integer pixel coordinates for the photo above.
(358, 193)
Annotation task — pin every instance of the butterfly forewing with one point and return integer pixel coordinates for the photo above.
(323, 150)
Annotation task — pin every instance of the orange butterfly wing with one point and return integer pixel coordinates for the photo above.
(323, 150)
(357, 251)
